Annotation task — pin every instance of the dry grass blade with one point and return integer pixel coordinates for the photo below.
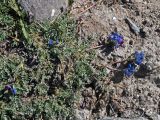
(95, 4)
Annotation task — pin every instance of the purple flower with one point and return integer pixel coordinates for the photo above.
(7, 87)
(117, 38)
(139, 57)
(14, 91)
(11, 89)
(50, 42)
(129, 70)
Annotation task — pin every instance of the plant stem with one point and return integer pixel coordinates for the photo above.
(14, 6)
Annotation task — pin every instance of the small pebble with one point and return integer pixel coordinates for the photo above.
(53, 12)
(114, 18)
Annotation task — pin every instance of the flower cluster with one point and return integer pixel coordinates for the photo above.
(139, 57)
(129, 70)
(11, 89)
(117, 39)
(51, 42)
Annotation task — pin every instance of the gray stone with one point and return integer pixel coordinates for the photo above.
(82, 114)
(41, 10)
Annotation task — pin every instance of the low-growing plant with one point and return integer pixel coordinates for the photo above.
(34, 66)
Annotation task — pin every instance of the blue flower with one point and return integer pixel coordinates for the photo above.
(11, 89)
(129, 70)
(14, 91)
(50, 42)
(117, 38)
(139, 57)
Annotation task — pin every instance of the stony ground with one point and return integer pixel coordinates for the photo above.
(133, 97)
(64, 69)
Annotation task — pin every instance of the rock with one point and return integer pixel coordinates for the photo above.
(138, 1)
(142, 100)
(133, 26)
(149, 66)
(42, 10)
(157, 80)
(125, 1)
(125, 92)
(87, 92)
(82, 114)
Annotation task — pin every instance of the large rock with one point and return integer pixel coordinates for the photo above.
(43, 9)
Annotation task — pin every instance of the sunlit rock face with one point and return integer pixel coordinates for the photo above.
(42, 10)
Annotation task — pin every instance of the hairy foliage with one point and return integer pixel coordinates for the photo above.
(46, 77)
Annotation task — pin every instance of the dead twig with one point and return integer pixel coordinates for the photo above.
(122, 60)
(110, 68)
(89, 8)
(95, 47)
(119, 61)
